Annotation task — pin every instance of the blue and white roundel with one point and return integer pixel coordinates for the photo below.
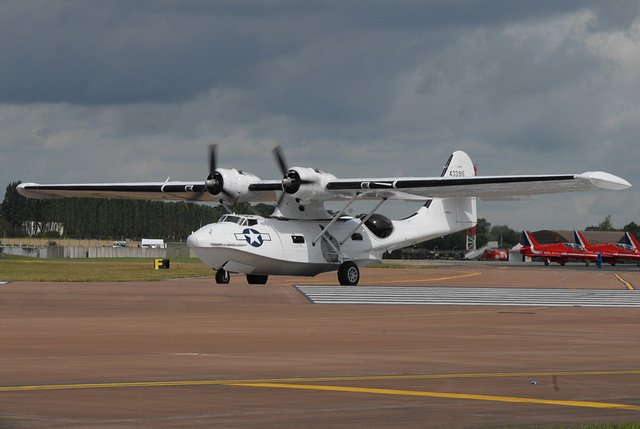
(253, 237)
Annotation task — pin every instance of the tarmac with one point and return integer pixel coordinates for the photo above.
(192, 353)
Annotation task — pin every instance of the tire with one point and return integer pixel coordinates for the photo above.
(222, 276)
(348, 274)
(257, 279)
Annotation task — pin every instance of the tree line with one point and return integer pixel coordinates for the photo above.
(107, 218)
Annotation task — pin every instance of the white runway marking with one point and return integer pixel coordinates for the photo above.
(392, 295)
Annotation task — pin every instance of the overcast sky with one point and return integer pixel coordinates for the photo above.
(100, 91)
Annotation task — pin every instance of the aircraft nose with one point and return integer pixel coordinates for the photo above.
(196, 239)
(191, 240)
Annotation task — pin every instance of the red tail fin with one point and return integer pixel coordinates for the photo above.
(529, 241)
(580, 239)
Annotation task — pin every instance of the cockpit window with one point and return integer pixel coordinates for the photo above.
(240, 220)
(233, 219)
(575, 246)
(625, 246)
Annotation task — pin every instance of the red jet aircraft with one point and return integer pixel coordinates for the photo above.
(612, 253)
(557, 252)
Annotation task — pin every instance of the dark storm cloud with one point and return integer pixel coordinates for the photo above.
(121, 52)
(306, 58)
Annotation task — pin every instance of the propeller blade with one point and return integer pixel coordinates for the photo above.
(213, 147)
(277, 153)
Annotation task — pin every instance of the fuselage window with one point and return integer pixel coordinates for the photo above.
(380, 225)
(356, 236)
(298, 239)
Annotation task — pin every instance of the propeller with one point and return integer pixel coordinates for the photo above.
(291, 180)
(214, 183)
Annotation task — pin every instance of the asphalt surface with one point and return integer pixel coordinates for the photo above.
(190, 353)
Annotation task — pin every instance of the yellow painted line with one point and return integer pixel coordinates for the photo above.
(432, 280)
(626, 283)
(108, 385)
(184, 383)
(312, 283)
(492, 398)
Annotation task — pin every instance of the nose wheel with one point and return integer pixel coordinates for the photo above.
(222, 276)
(348, 274)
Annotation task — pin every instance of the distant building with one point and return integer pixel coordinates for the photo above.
(153, 243)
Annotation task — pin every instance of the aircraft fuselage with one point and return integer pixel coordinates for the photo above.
(258, 245)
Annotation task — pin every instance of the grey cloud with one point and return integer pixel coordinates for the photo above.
(117, 52)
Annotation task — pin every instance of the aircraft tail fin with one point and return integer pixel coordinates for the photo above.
(529, 241)
(580, 239)
(439, 216)
(631, 240)
(459, 165)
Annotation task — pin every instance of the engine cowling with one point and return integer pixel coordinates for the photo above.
(231, 184)
(307, 183)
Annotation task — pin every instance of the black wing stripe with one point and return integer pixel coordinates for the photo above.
(443, 183)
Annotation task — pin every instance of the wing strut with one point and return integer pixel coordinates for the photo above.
(335, 218)
(363, 220)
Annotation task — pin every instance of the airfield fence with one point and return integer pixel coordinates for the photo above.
(177, 250)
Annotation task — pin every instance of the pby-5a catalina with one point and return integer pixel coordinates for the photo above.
(555, 252)
(611, 253)
(302, 238)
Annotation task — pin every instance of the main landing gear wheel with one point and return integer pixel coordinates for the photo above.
(348, 274)
(257, 279)
(222, 276)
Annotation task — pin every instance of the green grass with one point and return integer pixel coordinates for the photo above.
(24, 269)
(27, 269)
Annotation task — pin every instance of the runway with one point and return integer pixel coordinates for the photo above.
(190, 353)
(389, 295)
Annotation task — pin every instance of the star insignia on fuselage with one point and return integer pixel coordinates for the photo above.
(253, 237)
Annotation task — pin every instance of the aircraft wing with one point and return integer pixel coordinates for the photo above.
(484, 187)
(170, 191)
(404, 188)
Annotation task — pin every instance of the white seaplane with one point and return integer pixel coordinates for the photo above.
(301, 238)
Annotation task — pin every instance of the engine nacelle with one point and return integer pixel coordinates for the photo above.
(233, 184)
(307, 183)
